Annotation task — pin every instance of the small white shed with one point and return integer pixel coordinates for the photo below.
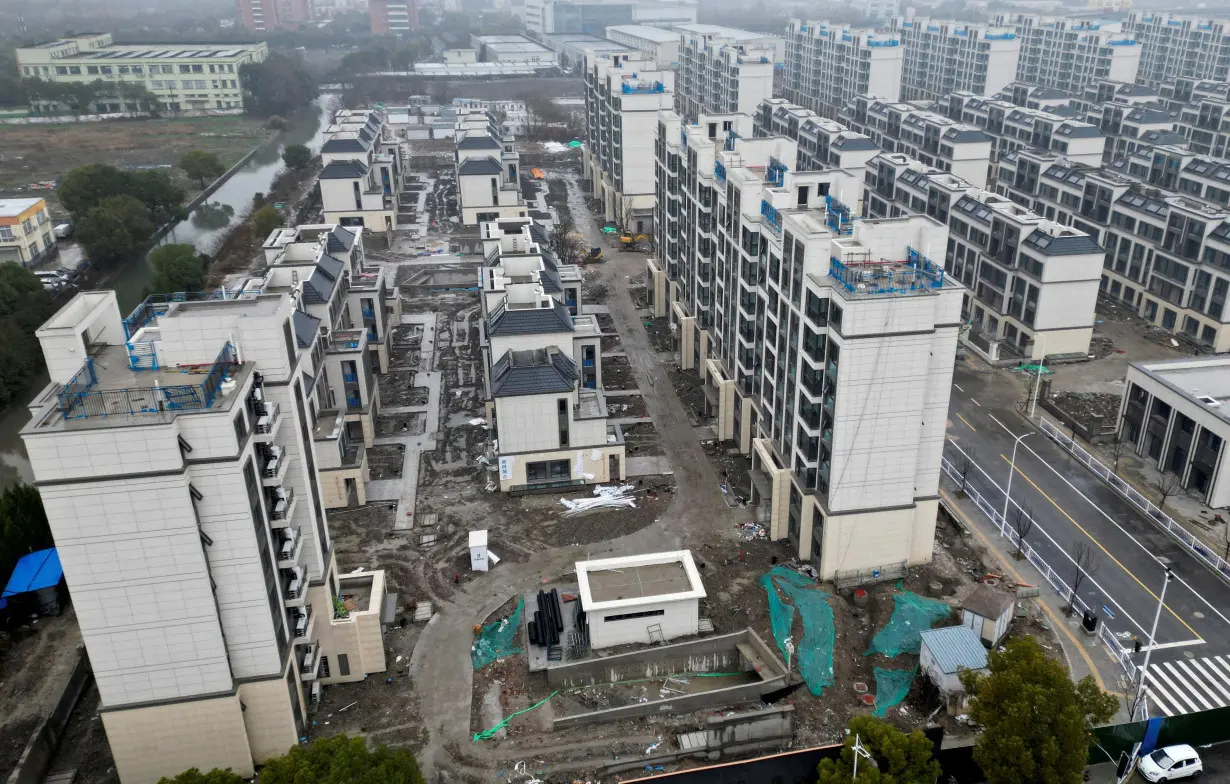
(988, 611)
(944, 654)
(640, 598)
(478, 551)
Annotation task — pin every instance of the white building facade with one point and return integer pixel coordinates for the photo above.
(488, 170)
(943, 56)
(187, 513)
(723, 74)
(361, 183)
(827, 65)
(1071, 53)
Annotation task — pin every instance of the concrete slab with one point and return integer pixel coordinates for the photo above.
(648, 465)
(625, 421)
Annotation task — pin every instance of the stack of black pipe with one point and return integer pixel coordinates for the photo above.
(548, 619)
(582, 625)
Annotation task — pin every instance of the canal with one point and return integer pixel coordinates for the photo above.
(256, 175)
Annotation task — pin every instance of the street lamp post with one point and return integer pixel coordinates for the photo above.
(1033, 398)
(1011, 471)
(1140, 674)
(861, 751)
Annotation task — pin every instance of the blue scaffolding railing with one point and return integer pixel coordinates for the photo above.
(919, 273)
(837, 215)
(775, 172)
(78, 399)
(156, 305)
(772, 218)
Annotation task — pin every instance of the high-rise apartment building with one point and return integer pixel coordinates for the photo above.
(1180, 47)
(392, 17)
(1163, 215)
(726, 72)
(825, 343)
(174, 454)
(655, 43)
(258, 16)
(623, 95)
(543, 364)
(935, 140)
(181, 77)
(1032, 282)
(826, 66)
(943, 57)
(1071, 53)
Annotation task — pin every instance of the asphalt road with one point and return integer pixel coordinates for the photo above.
(1072, 509)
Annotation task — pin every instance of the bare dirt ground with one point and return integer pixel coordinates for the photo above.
(35, 156)
(32, 673)
(1091, 409)
(84, 745)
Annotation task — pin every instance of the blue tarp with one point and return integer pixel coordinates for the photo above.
(34, 572)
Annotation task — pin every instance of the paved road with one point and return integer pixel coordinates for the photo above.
(1073, 510)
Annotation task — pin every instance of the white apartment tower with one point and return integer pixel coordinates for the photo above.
(943, 57)
(826, 343)
(826, 66)
(1180, 47)
(1069, 54)
(543, 366)
(623, 95)
(723, 73)
(173, 451)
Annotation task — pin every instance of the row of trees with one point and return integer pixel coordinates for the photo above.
(278, 86)
(82, 97)
(1037, 727)
(335, 760)
(117, 211)
(24, 306)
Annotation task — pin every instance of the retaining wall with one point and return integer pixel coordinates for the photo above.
(41, 748)
(760, 730)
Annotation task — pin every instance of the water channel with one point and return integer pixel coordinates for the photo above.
(256, 175)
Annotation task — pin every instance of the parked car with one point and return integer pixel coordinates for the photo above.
(63, 230)
(1171, 764)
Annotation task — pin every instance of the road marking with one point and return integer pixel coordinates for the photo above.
(1112, 520)
(1101, 547)
(967, 424)
(1055, 622)
(975, 402)
(1161, 646)
(958, 388)
(1055, 544)
(1158, 674)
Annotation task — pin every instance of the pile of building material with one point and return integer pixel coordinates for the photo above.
(605, 496)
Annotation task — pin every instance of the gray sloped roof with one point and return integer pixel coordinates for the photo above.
(966, 135)
(1064, 246)
(306, 327)
(478, 141)
(531, 321)
(345, 145)
(534, 372)
(320, 286)
(550, 282)
(339, 239)
(848, 144)
(343, 170)
(1079, 131)
(480, 166)
(988, 602)
(955, 648)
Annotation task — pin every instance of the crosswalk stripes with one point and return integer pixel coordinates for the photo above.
(1187, 686)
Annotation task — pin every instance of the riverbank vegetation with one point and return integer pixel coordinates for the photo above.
(278, 86)
(118, 211)
(24, 306)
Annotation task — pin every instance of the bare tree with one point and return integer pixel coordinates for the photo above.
(565, 242)
(623, 217)
(1118, 448)
(964, 463)
(1084, 564)
(1171, 483)
(1022, 521)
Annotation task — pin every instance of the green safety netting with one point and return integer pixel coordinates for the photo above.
(497, 639)
(1035, 370)
(814, 653)
(891, 688)
(912, 614)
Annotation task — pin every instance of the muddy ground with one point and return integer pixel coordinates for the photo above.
(1094, 410)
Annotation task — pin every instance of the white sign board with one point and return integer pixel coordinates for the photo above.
(506, 466)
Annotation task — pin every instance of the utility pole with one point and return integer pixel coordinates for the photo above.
(1033, 401)
(861, 751)
(1140, 674)
(1011, 471)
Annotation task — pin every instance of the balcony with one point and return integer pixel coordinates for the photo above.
(290, 547)
(329, 424)
(302, 621)
(294, 587)
(350, 377)
(347, 341)
(273, 469)
(281, 507)
(309, 661)
(268, 420)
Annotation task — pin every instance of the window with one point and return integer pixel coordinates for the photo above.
(633, 615)
(138, 69)
(548, 471)
(75, 70)
(343, 660)
(92, 69)
(105, 69)
(6, 234)
(198, 69)
(62, 70)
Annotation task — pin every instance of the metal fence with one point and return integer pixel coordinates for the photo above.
(1133, 496)
(1056, 580)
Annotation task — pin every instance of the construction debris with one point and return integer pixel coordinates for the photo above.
(605, 497)
(750, 531)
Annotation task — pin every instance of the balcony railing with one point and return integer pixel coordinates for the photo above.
(281, 502)
(156, 305)
(302, 622)
(267, 418)
(78, 399)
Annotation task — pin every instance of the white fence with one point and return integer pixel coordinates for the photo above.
(1133, 496)
(1057, 581)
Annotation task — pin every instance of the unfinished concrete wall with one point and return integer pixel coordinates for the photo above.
(681, 703)
(45, 739)
(711, 654)
(740, 732)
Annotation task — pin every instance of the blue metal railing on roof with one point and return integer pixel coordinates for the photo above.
(719, 171)
(772, 218)
(775, 172)
(156, 305)
(731, 137)
(79, 400)
(919, 274)
(1000, 37)
(1122, 42)
(885, 42)
(837, 215)
(652, 87)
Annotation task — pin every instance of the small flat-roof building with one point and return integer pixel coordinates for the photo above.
(944, 654)
(511, 48)
(1176, 413)
(640, 598)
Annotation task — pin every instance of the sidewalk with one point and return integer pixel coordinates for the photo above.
(1084, 655)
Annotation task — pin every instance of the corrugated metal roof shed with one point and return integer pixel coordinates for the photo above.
(955, 648)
